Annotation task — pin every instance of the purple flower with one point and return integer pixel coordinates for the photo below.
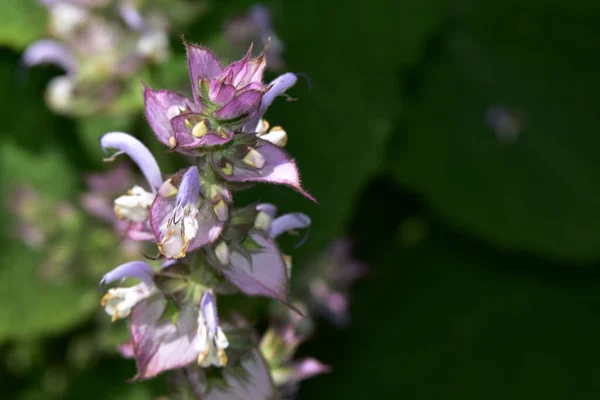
(134, 206)
(224, 101)
(47, 51)
(182, 220)
(118, 302)
(161, 344)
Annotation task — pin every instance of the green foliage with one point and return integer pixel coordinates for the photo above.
(21, 22)
(449, 319)
(399, 89)
(33, 306)
(337, 131)
(48, 172)
(39, 297)
(538, 195)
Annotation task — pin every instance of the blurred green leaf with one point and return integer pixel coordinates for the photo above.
(32, 306)
(337, 130)
(21, 22)
(539, 194)
(33, 303)
(49, 172)
(108, 381)
(449, 320)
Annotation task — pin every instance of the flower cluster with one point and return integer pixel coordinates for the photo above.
(207, 246)
(97, 52)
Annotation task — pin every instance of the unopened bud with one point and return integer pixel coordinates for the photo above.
(167, 189)
(277, 136)
(263, 127)
(200, 129)
(227, 169)
(254, 159)
(221, 211)
(222, 253)
(262, 221)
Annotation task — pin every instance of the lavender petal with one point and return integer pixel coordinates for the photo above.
(137, 152)
(276, 88)
(48, 51)
(263, 274)
(202, 64)
(133, 269)
(161, 345)
(189, 190)
(158, 105)
(208, 305)
(245, 105)
(278, 168)
(288, 222)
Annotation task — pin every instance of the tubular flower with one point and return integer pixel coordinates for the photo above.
(119, 302)
(208, 245)
(210, 339)
(182, 220)
(135, 205)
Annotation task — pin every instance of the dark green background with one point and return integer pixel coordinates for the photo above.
(483, 256)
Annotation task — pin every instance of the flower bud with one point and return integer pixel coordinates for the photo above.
(221, 210)
(254, 159)
(200, 129)
(222, 253)
(276, 135)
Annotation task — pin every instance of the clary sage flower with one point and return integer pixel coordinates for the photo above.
(208, 245)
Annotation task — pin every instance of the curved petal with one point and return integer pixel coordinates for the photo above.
(278, 168)
(268, 208)
(288, 222)
(276, 88)
(245, 105)
(160, 107)
(48, 51)
(136, 150)
(133, 269)
(202, 64)
(161, 345)
(189, 190)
